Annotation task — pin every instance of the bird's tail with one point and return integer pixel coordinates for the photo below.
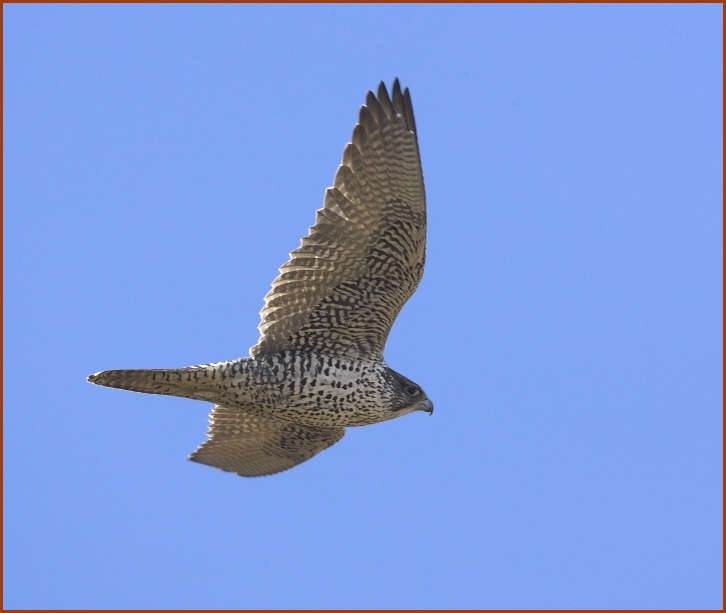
(185, 382)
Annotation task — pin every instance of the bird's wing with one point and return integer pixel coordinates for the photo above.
(342, 289)
(256, 446)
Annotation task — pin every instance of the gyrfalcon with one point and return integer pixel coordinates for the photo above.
(318, 366)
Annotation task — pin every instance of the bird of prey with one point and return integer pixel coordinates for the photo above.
(318, 366)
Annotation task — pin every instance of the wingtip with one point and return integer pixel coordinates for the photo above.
(399, 101)
(382, 90)
(397, 88)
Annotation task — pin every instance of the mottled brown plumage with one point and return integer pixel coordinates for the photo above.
(364, 257)
(318, 365)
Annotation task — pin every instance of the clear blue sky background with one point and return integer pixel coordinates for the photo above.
(160, 164)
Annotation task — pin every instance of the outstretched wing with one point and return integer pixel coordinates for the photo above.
(342, 289)
(256, 446)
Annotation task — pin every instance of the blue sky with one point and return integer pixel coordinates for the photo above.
(160, 163)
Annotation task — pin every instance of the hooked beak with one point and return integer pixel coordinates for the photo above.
(426, 405)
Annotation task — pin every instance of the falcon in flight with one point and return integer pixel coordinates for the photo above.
(318, 366)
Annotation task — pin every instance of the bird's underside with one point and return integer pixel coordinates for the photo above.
(318, 366)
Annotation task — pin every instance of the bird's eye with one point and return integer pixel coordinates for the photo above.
(412, 391)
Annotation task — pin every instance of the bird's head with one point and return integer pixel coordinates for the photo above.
(407, 396)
